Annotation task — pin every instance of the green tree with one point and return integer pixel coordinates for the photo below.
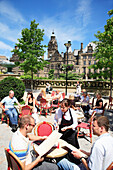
(71, 76)
(51, 74)
(30, 50)
(104, 52)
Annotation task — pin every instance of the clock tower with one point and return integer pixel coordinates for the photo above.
(52, 45)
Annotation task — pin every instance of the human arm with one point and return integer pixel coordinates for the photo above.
(33, 164)
(77, 154)
(98, 107)
(75, 123)
(33, 110)
(26, 103)
(34, 137)
(2, 107)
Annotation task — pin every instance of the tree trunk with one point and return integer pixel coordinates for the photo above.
(31, 80)
(111, 83)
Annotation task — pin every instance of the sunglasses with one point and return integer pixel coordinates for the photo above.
(32, 125)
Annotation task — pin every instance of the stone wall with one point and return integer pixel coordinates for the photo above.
(90, 86)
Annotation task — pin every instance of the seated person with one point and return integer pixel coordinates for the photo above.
(19, 145)
(72, 103)
(78, 88)
(85, 99)
(10, 110)
(30, 100)
(100, 156)
(58, 97)
(47, 88)
(99, 105)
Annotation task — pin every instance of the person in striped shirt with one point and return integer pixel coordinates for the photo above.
(19, 145)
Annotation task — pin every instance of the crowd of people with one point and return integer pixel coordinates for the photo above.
(65, 121)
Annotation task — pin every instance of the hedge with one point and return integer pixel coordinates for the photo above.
(12, 83)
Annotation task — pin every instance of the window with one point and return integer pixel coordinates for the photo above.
(56, 66)
(84, 70)
(84, 62)
(89, 57)
(94, 62)
(84, 57)
(89, 62)
(52, 66)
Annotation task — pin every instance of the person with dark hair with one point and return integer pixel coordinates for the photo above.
(19, 145)
(101, 155)
(98, 106)
(31, 101)
(10, 110)
(68, 123)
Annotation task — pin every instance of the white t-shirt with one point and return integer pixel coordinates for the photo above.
(9, 102)
(19, 145)
(58, 116)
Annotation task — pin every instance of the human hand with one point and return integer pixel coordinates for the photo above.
(5, 110)
(43, 137)
(64, 129)
(77, 154)
(40, 159)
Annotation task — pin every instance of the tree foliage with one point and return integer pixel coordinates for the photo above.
(104, 51)
(30, 49)
(12, 83)
(51, 74)
(71, 76)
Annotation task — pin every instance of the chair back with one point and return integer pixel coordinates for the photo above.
(53, 93)
(110, 167)
(43, 129)
(93, 102)
(63, 95)
(104, 109)
(13, 161)
(43, 102)
(110, 99)
(26, 110)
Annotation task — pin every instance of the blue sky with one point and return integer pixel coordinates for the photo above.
(75, 20)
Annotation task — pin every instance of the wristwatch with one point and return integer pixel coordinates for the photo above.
(81, 158)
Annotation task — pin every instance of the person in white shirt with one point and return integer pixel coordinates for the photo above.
(10, 110)
(67, 121)
(20, 146)
(101, 155)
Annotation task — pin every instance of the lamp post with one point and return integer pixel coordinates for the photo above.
(68, 44)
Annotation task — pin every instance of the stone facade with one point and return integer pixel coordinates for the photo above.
(3, 69)
(81, 59)
(15, 58)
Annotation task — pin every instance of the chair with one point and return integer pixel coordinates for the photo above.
(86, 126)
(43, 129)
(53, 93)
(4, 115)
(92, 103)
(13, 161)
(104, 109)
(44, 106)
(110, 103)
(25, 110)
(63, 95)
(110, 167)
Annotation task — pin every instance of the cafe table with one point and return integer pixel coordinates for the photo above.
(56, 151)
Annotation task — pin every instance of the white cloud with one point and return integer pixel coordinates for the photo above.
(7, 10)
(7, 33)
(4, 46)
(69, 25)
